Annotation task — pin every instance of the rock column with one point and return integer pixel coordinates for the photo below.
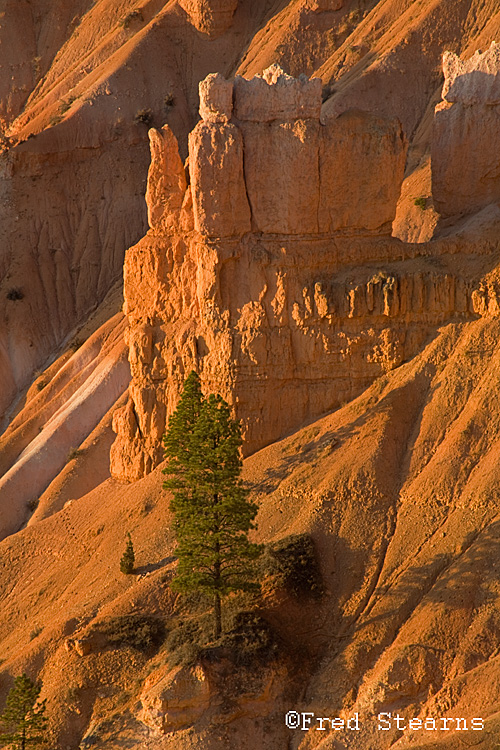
(220, 202)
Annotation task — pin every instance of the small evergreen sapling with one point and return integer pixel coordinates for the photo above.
(213, 514)
(128, 558)
(24, 717)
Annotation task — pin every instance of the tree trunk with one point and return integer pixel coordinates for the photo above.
(218, 616)
(217, 603)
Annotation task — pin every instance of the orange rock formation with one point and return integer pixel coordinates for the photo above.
(246, 274)
(398, 488)
(212, 17)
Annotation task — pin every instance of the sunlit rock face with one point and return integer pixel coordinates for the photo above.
(273, 273)
(466, 140)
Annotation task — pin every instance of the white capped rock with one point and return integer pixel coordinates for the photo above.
(216, 98)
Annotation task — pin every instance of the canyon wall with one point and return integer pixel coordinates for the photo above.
(246, 274)
(466, 138)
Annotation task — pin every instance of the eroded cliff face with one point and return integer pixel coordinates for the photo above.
(466, 142)
(274, 274)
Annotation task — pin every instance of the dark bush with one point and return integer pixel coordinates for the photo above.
(137, 631)
(75, 453)
(250, 640)
(65, 104)
(293, 563)
(76, 344)
(128, 558)
(15, 294)
(187, 638)
(169, 100)
(144, 117)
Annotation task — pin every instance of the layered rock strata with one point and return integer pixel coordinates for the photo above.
(280, 283)
(466, 139)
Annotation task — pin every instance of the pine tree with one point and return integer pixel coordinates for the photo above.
(128, 558)
(213, 514)
(24, 716)
(177, 440)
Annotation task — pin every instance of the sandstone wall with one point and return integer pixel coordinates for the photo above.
(466, 137)
(289, 296)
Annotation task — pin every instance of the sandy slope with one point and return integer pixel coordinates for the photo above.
(68, 402)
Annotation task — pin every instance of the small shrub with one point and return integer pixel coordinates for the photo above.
(144, 117)
(72, 694)
(35, 632)
(36, 62)
(42, 384)
(169, 100)
(293, 564)
(66, 104)
(128, 558)
(76, 344)
(15, 294)
(327, 91)
(137, 631)
(421, 202)
(185, 641)
(33, 504)
(148, 506)
(75, 453)
(128, 20)
(55, 120)
(250, 640)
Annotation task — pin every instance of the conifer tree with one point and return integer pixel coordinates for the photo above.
(24, 717)
(128, 558)
(213, 514)
(177, 440)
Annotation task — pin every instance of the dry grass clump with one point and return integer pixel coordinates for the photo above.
(144, 117)
(141, 632)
